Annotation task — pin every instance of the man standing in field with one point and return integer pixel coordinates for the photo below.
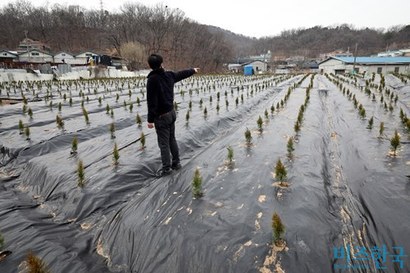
(161, 113)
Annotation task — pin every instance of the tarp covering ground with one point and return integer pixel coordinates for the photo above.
(346, 190)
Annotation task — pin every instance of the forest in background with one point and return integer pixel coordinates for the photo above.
(138, 30)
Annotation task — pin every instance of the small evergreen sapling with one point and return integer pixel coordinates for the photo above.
(21, 127)
(35, 264)
(297, 126)
(142, 139)
(395, 142)
(27, 132)
(60, 122)
(187, 116)
(290, 145)
(112, 130)
(80, 174)
(85, 114)
(116, 154)
(74, 145)
(272, 109)
(197, 184)
(278, 230)
(381, 130)
(138, 120)
(230, 154)
(370, 125)
(260, 123)
(280, 171)
(248, 137)
(30, 113)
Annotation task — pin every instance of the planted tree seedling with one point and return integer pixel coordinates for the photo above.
(197, 184)
(278, 229)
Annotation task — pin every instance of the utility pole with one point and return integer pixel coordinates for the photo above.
(354, 62)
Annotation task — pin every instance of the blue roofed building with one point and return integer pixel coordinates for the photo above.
(365, 65)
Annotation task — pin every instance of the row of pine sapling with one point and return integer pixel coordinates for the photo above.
(197, 178)
(395, 140)
(250, 89)
(94, 84)
(280, 169)
(281, 172)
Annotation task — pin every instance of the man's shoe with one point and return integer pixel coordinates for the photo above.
(164, 172)
(176, 166)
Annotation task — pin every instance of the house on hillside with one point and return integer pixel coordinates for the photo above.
(28, 44)
(336, 53)
(258, 66)
(64, 57)
(255, 66)
(35, 56)
(235, 68)
(7, 58)
(87, 57)
(365, 65)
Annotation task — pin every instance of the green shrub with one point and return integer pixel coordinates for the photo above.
(248, 137)
(85, 114)
(116, 154)
(259, 122)
(80, 173)
(21, 127)
(197, 184)
(278, 229)
(138, 120)
(60, 122)
(381, 130)
(142, 139)
(35, 264)
(27, 132)
(280, 171)
(395, 142)
(290, 145)
(74, 145)
(230, 154)
(297, 127)
(112, 130)
(370, 125)
(187, 116)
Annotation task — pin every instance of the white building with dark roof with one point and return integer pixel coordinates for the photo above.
(363, 65)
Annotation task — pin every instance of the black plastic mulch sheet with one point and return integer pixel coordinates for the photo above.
(347, 193)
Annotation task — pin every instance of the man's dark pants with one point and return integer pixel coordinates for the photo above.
(165, 128)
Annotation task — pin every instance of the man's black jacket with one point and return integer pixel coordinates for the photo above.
(160, 90)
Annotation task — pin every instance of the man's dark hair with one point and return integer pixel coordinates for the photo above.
(155, 61)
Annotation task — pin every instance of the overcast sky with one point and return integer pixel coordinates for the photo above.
(257, 18)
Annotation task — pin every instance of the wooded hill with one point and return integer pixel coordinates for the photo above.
(138, 30)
